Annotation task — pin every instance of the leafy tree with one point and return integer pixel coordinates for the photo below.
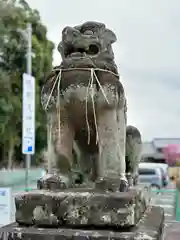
(15, 15)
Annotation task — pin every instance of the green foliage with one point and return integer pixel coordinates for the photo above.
(14, 15)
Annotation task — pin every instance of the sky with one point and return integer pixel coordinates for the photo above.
(147, 53)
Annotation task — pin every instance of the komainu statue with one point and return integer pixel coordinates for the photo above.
(86, 105)
(92, 194)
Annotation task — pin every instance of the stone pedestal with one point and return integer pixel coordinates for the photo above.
(171, 230)
(149, 227)
(82, 207)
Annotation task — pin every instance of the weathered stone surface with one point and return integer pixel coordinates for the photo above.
(59, 182)
(82, 207)
(86, 106)
(52, 182)
(149, 228)
(111, 184)
(171, 230)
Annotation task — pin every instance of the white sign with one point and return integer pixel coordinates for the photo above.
(5, 206)
(28, 143)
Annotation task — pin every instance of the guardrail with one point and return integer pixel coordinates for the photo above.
(177, 206)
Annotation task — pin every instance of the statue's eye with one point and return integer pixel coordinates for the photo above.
(88, 32)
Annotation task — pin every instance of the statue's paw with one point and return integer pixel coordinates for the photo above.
(112, 184)
(130, 179)
(53, 182)
(136, 180)
(124, 186)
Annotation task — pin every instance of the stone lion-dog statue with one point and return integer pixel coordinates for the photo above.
(86, 105)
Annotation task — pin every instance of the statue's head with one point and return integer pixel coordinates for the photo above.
(87, 46)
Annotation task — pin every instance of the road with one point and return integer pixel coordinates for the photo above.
(166, 200)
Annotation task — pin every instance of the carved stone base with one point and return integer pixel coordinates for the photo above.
(57, 182)
(82, 207)
(150, 227)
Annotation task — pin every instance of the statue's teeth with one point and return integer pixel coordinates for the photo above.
(76, 54)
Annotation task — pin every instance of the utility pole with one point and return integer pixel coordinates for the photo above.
(29, 49)
(28, 128)
(29, 71)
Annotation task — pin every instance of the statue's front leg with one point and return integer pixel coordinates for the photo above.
(61, 158)
(111, 132)
(63, 137)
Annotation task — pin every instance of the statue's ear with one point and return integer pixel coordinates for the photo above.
(110, 36)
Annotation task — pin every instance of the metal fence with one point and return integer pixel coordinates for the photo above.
(177, 206)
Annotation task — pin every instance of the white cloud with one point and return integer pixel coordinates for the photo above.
(147, 52)
(153, 108)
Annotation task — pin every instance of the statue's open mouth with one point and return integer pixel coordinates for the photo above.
(72, 52)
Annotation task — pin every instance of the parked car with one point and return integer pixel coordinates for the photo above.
(151, 175)
(164, 168)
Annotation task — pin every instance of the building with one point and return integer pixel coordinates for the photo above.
(153, 151)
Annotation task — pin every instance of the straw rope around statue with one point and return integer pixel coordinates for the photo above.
(93, 76)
